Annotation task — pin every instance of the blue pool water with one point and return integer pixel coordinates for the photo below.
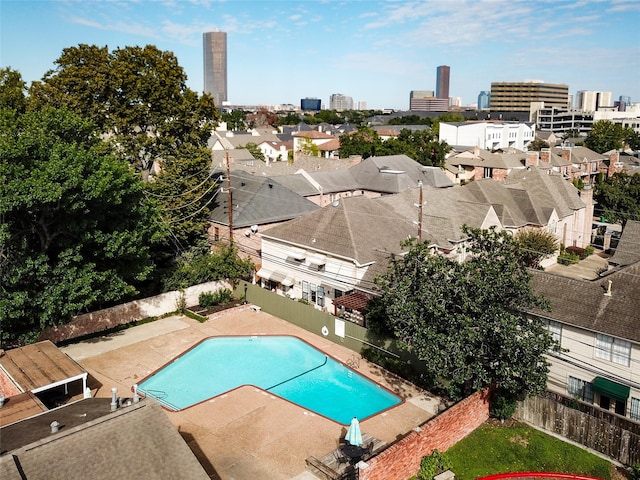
(285, 366)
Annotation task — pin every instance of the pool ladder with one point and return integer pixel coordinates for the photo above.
(353, 362)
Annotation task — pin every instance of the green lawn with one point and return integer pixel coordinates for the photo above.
(520, 448)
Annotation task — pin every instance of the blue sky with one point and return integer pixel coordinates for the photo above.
(374, 51)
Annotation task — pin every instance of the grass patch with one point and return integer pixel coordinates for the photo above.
(493, 449)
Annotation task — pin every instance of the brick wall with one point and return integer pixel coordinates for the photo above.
(402, 459)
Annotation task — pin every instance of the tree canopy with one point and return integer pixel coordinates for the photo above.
(618, 197)
(136, 96)
(421, 145)
(465, 320)
(605, 136)
(76, 227)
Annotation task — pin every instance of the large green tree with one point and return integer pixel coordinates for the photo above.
(605, 136)
(12, 90)
(618, 197)
(136, 96)
(365, 141)
(75, 224)
(464, 320)
(421, 145)
(138, 99)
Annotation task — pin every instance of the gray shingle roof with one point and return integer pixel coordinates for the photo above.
(628, 250)
(353, 229)
(257, 200)
(583, 303)
(548, 189)
(138, 441)
(396, 173)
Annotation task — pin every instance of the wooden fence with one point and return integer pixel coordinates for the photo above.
(604, 432)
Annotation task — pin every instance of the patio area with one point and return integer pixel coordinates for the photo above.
(246, 433)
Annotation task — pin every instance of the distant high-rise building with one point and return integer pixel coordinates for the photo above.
(455, 101)
(340, 102)
(592, 101)
(483, 100)
(310, 104)
(518, 96)
(215, 66)
(442, 81)
(417, 97)
(623, 102)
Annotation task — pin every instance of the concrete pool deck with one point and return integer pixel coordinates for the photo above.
(246, 433)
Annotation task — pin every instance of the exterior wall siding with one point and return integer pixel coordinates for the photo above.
(580, 361)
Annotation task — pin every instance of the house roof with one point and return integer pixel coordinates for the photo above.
(21, 406)
(307, 163)
(628, 249)
(584, 303)
(370, 229)
(137, 441)
(484, 158)
(513, 206)
(39, 366)
(312, 134)
(351, 229)
(580, 154)
(549, 190)
(396, 173)
(237, 156)
(257, 200)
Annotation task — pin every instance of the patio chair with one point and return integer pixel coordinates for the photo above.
(340, 457)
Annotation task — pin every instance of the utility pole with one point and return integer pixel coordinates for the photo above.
(420, 213)
(229, 199)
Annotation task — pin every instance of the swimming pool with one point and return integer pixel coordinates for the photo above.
(283, 365)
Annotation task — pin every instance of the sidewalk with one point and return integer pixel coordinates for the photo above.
(114, 341)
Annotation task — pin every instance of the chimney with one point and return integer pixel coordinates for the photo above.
(614, 164)
(545, 155)
(532, 159)
(566, 154)
(476, 150)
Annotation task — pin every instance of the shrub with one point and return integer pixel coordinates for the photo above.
(432, 465)
(502, 404)
(206, 299)
(581, 253)
(210, 299)
(568, 256)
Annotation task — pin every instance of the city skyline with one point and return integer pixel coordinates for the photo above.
(281, 51)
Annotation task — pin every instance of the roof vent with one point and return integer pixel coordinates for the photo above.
(114, 400)
(55, 426)
(608, 292)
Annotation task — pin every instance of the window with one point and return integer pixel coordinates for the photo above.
(613, 349)
(313, 293)
(321, 296)
(555, 328)
(305, 290)
(580, 389)
(216, 234)
(634, 413)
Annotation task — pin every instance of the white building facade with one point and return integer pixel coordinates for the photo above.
(488, 135)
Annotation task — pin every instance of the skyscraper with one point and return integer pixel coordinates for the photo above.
(215, 66)
(442, 81)
(483, 100)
